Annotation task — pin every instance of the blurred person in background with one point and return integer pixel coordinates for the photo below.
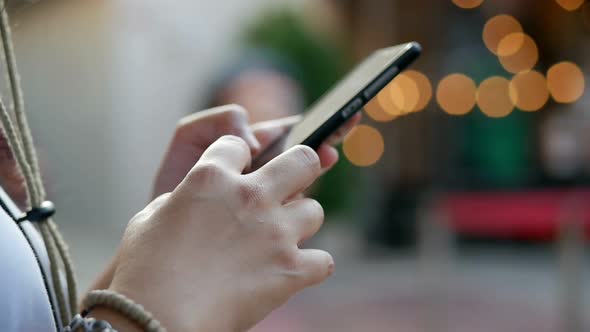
(216, 250)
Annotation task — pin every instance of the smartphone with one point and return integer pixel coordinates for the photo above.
(347, 97)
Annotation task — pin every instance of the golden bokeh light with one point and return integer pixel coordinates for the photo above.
(510, 44)
(410, 91)
(386, 102)
(497, 28)
(468, 4)
(363, 146)
(493, 97)
(424, 88)
(565, 81)
(524, 58)
(528, 91)
(404, 93)
(570, 5)
(375, 112)
(455, 94)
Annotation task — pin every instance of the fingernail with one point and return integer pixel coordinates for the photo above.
(331, 268)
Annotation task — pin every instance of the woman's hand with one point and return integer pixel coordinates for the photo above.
(221, 251)
(196, 132)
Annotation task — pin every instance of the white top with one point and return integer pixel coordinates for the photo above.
(24, 300)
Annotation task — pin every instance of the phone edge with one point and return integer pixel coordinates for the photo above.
(353, 106)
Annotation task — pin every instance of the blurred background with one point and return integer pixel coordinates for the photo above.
(462, 201)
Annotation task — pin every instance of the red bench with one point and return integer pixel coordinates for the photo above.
(531, 215)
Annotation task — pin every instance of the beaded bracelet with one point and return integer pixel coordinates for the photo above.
(116, 302)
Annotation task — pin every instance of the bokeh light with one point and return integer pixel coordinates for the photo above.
(528, 91)
(363, 146)
(498, 27)
(468, 4)
(424, 88)
(404, 93)
(565, 81)
(510, 44)
(524, 58)
(375, 112)
(493, 97)
(386, 102)
(455, 94)
(570, 5)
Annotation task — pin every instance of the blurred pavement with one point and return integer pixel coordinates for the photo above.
(486, 288)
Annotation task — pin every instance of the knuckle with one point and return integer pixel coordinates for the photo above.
(287, 258)
(139, 217)
(206, 172)
(186, 122)
(251, 193)
(161, 199)
(238, 111)
(145, 214)
(236, 141)
(234, 115)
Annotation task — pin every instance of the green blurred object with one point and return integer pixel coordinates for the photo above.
(498, 149)
(319, 62)
(498, 152)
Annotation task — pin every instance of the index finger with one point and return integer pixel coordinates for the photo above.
(337, 137)
(204, 127)
(228, 152)
(290, 173)
(267, 132)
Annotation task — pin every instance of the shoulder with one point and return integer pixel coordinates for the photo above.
(23, 297)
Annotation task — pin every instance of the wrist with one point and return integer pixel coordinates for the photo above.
(122, 309)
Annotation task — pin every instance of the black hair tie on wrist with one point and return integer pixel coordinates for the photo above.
(39, 213)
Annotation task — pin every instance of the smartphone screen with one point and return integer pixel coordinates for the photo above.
(347, 97)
